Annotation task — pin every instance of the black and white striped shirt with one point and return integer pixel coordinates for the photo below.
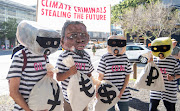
(34, 71)
(83, 64)
(170, 66)
(115, 70)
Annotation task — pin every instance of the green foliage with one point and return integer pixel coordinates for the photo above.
(8, 29)
(151, 20)
(119, 9)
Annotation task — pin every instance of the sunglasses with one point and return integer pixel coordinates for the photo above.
(161, 48)
(75, 35)
(46, 42)
(116, 43)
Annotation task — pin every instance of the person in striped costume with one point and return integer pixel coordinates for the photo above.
(74, 39)
(114, 66)
(28, 65)
(169, 67)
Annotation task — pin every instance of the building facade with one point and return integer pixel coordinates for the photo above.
(10, 9)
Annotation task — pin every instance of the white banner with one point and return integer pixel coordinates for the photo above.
(54, 13)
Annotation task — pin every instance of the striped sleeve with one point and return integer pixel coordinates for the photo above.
(102, 66)
(91, 68)
(62, 68)
(129, 69)
(15, 69)
(177, 69)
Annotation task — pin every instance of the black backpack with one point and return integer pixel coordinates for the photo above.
(19, 47)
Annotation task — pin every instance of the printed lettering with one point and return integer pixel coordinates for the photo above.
(55, 4)
(163, 70)
(150, 77)
(42, 12)
(86, 88)
(42, 2)
(90, 9)
(35, 66)
(38, 66)
(118, 68)
(78, 16)
(105, 92)
(56, 100)
(80, 65)
(61, 6)
(95, 17)
(104, 9)
(55, 13)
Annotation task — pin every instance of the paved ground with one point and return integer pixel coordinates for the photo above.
(140, 101)
(5, 52)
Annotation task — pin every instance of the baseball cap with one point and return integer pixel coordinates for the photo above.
(173, 40)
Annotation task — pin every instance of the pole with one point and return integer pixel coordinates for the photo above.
(37, 10)
(110, 20)
(135, 70)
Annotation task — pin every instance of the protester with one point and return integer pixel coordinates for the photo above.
(74, 39)
(176, 54)
(115, 67)
(11, 46)
(3, 47)
(176, 50)
(168, 65)
(28, 65)
(94, 49)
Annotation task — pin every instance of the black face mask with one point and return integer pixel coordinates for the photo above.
(161, 48)
(116, 43)
(46, 42)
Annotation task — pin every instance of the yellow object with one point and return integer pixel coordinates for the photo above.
(162, 42)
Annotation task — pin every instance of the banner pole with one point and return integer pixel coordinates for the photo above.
(110, 20)
(37, 10)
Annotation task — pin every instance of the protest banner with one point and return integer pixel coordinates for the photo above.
(54, 13)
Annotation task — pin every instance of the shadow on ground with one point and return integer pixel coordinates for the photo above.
(139, 105)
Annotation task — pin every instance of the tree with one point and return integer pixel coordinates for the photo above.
(154, 18)
(8, 30)
(118, 10)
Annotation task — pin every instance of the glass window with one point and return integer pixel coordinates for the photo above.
(20, 14)
(137, 48)
(2, 10)
(95, 34)
(2, 18)
(11, 12)
(134, 48)
(129, 48)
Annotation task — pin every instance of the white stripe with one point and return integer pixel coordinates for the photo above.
(115, 75)
(35, 75)
(88, 66)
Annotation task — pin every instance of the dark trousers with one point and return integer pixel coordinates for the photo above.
(154, 104)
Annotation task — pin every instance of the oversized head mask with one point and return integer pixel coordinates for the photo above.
(37, 39)
(74, 36)
(116, 45)
(162, 47)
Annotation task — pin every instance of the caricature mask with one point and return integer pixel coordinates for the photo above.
(74, 36)
(37, 39)
(162, 47)
(116, 45)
